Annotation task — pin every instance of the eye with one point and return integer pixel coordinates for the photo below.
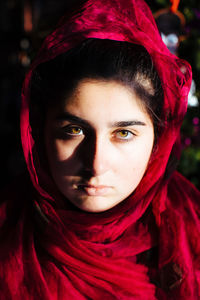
(73, 130)
(124, 134)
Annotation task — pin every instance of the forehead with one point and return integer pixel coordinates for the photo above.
(105, 97)
(101, 104)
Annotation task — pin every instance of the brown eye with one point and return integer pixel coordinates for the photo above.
(74, 130)
(124, 134)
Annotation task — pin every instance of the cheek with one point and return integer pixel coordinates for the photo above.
(62, 157)
(136, 161)
(133, 169)
(62, 150)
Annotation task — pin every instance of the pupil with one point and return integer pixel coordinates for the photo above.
(76, 130)
(124, 133)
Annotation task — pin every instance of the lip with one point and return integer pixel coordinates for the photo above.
(94, 190)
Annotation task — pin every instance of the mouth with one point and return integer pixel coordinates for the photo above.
(93, 190)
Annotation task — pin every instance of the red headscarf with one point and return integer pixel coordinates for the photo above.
(60, 253)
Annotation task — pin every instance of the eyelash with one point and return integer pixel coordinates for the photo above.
(128, 137)
(69, 132)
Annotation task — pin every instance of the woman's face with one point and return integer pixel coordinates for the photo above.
(98, 144)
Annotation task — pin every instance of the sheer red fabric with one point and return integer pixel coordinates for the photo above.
(145, 248)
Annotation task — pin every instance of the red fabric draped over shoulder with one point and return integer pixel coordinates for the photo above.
(95, 256)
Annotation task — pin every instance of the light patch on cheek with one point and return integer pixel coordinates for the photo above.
(60, 151)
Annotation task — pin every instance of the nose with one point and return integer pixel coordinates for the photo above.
(96, 155)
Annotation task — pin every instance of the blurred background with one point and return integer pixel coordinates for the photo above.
(23, 26)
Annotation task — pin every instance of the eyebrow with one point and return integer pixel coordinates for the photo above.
(127, 123)
(65, 116)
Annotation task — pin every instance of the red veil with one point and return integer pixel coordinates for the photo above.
(148, 246)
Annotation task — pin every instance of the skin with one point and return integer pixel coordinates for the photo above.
(98, 143)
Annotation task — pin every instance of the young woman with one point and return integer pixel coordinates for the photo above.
(104, 214)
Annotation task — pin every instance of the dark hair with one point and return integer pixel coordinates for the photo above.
(126, 63)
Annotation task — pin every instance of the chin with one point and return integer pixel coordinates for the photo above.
(96, 205)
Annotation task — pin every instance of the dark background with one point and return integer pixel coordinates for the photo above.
(23, 26)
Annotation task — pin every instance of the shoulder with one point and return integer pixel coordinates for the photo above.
(183, 205)
(17, 186)
(13, 196)
(182, 219)
(182, 191)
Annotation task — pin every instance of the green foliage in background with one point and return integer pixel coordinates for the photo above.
(190, 160)
(189, 50)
